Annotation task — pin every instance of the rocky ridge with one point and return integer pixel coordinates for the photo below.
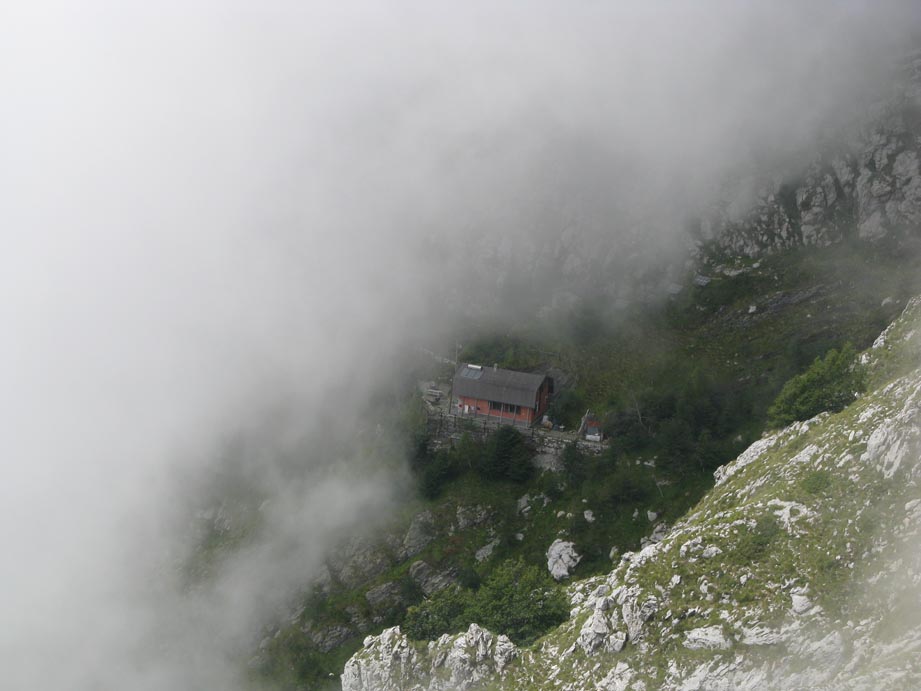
(800, 569)
(861, 182)
(867, 183)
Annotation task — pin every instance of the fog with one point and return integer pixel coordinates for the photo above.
(226, 221)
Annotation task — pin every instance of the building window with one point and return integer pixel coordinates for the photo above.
(504, 407)
(499, 407)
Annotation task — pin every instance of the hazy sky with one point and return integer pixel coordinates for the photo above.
(212, 209)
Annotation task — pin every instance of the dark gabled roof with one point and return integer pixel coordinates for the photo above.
(501, 385)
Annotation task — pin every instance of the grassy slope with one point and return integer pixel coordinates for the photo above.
(843, 544)
(805, 303)
(849, 505)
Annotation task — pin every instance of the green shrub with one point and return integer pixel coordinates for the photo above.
(468, 578)
(628, 484)
(507, 456)
(550, 484)
(816, 482)
(575, 466)
(435, 470)
(434, 476)
(444, 612)
(291, 661)
(678, 451)
(829, 384)
(567, 407)
(517, 599)
(753, 546)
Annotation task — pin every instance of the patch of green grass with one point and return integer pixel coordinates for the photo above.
(816, 482)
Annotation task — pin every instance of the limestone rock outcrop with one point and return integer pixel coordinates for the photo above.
(866, 184)
(562, 558)
(458, 663)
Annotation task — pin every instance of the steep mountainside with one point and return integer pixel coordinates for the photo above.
(861, 181)
(790, 262)
(866, 183)
(800, 569)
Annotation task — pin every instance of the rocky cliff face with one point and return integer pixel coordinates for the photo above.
(866, 184)
(800, 569)
(862, 182)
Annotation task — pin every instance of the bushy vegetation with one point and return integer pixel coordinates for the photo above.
(567, 408)
(292, 664)
(518, 600)
(607, 479)
(504, 456)
(753, 546)
(521, 601)
(684, 416)
(506, 351)
(816, 482)
(447, 611)
(830, 384)
(619, 490)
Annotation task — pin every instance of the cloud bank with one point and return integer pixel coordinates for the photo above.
(224, 219)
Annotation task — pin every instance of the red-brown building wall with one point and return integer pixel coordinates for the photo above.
(481, 407)
(527, 416)
(543, 399)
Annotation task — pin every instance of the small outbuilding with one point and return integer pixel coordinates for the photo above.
(519, 398)
(590, 427)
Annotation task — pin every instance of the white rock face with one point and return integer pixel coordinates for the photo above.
(430, 580)
(393, 657)
(749, 456)
(706, 637)
(562, 558)
(879, 184)
(420, 533)
(895, 441)
(800, 603)
(636, 611)
(788, 513)
(603, 630)
(657, 535)
(760, 635)
(524, 503)
(595, 632)
(456, 663)
(472, 516)
(484, 552)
